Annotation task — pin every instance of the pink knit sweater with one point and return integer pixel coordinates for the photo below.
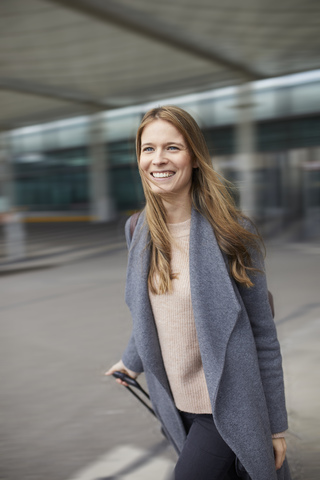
(177, 332)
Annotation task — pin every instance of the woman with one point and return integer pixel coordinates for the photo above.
(203, 331)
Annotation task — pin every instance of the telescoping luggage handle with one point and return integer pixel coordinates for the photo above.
(134, 383)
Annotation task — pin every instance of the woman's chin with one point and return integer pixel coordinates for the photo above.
(159, 189)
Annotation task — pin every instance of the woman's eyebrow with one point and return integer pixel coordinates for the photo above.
(175, 143)
(167, 143)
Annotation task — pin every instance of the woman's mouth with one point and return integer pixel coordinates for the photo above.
(162, 174)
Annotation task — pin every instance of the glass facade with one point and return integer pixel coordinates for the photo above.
(55, 181)
(51, 162)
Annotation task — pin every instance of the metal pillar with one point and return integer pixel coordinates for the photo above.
(10, 217)
(245, 150)
(102, 205)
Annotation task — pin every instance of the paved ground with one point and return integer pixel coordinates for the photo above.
(63, 322)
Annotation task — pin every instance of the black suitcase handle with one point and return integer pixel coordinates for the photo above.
(131, 381)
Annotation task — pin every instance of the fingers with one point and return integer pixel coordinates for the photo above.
(120, 367)
(280, 448)
(121, 382)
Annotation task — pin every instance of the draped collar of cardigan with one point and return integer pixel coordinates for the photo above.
(238, 353)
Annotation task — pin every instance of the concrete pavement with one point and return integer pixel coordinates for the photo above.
(52, 244)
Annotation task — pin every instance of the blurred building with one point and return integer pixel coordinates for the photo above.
(51, 166)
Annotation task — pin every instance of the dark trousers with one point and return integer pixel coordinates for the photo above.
(205, 455)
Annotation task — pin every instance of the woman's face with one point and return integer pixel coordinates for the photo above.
(165, 159)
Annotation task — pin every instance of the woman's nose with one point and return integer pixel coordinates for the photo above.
(158, 157)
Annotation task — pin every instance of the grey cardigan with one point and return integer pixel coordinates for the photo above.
(238, 343)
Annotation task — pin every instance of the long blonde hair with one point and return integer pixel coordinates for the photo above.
(210, 196)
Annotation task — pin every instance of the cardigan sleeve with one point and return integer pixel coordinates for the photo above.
(257, 305)
(130, 356)
(127, 232)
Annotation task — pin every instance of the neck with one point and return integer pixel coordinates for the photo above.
(178, 212)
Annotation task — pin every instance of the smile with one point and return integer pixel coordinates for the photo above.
(162, 174)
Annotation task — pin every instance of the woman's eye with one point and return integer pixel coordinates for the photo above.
(147, 149)
(172, 147)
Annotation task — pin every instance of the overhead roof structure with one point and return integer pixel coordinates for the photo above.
(61, 58)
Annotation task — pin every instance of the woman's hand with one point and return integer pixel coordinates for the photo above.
(119, 367)
(280, 448)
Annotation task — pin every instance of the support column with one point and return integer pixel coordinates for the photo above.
(245, 150)
(101, 202)
(10, 218)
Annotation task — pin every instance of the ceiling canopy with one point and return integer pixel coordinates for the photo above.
(61, 58)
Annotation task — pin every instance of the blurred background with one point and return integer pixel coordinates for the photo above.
(76, 78)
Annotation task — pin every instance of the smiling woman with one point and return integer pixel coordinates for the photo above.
(203, 330)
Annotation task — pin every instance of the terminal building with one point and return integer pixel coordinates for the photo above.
(52, 164)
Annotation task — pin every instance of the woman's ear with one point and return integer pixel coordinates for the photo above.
(195, 163)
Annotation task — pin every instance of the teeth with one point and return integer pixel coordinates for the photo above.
(162, 174)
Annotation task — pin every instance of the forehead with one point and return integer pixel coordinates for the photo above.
(160, 130)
